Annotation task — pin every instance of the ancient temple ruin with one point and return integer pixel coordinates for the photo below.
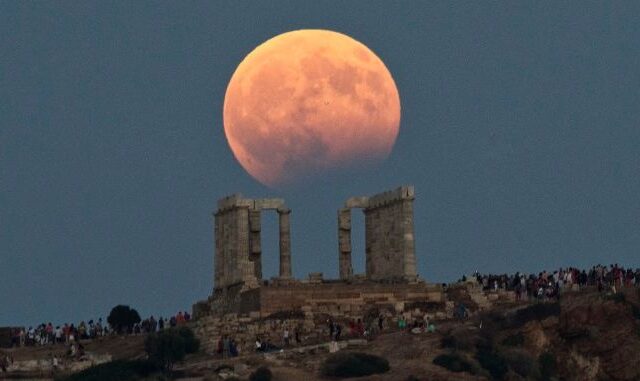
(237, 232)
(241, 298)
(389, 242)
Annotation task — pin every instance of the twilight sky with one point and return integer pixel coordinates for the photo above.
(520, 131)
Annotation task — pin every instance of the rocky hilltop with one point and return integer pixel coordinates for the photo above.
(583, 335)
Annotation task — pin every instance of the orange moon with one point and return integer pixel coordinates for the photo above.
(308, 102)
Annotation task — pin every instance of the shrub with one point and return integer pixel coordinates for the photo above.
(115, 370)
(191, 343)
(353, 364)
(165, 348)
(547, 366)
(123, 318)
(515, 340)
(492, 362)
(261, 374)
(521, 363)
(458, 339)
(453, 362)
(539, 311)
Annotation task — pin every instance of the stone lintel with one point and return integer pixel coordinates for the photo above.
(234, 201)
(397, 195)
(357, 202)
(268, 203)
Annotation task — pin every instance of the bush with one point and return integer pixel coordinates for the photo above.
(515, 340)
(492, 362)
(538, 311)
(353, 364)
(115, 370)
(521, 363)
(458, 339)
(261, 374)
(547, 366)
(165, 348)
(123, 318)
(191, 343)
(453, 362)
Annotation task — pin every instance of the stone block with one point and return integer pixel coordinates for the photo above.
(357, 202)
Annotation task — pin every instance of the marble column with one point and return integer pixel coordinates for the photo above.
(344, 243)
(285, 243)
(255, 254)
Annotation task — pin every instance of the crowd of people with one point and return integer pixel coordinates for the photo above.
(48, 334)
(549, 284)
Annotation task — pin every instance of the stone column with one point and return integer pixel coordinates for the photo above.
(409, 254)
(255, 253)
(285, 243)
(344, 243)
(218, 263)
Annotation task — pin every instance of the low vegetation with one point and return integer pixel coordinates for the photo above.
(170, 346)
(353, 364)
(521, 363)
(547, 365)
(261, 374)
(459, 339)
(454, 362)
(515, 340)
(118, 370)
(492, 361)
(539, 311)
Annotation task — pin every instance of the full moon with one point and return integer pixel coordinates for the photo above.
(309, 102)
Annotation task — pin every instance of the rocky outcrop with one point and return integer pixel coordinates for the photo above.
(601, 336)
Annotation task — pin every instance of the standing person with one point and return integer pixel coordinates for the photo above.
(338, 332)
(226, 347)
(285, 336)
(380, 322)
(296, 333)
(160, 323)
(233, 348)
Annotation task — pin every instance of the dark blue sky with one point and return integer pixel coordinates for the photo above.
(520, 130)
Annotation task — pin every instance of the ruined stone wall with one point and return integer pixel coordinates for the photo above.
(389, 238)
(307, 307)
(232, 264)
(340, 298)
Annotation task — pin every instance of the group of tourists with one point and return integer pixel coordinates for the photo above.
(48, 334)
(151, 325)
(548, 285)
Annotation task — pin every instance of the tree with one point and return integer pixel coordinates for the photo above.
(123, 318)
(165, 348)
